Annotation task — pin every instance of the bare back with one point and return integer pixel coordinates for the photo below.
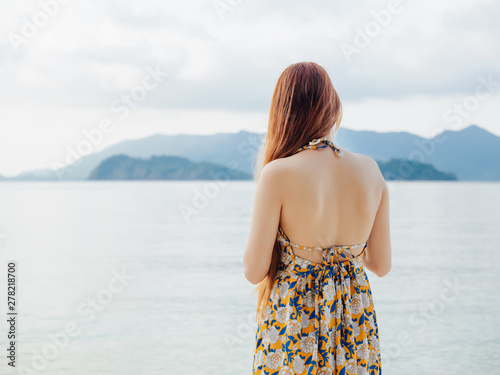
(329, 200)
(320, 197)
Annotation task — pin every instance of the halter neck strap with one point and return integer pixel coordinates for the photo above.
(314, 144)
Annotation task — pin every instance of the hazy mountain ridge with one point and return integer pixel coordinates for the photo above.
(123, 167)
(401, 169)
(471, 153)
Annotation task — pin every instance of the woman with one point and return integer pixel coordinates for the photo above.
(321, 215)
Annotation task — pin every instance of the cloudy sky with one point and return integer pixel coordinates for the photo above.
(203, 66)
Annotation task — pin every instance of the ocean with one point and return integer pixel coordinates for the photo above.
(147, 278)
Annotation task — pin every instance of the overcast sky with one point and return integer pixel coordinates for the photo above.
(202, 67)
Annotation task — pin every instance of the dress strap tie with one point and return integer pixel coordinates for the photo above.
(336, 266)
(314, 144)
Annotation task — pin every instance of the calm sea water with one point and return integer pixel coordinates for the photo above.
(180, 303)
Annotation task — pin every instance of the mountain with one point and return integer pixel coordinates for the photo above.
(239, 148)
(377, 145)
(401, 169)
(123, 167)
(471, 153)
(39, 175)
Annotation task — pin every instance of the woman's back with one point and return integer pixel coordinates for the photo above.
(328, 200)
(321, 215)
(320, 313)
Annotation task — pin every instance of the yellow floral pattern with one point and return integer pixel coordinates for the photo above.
(320, 317)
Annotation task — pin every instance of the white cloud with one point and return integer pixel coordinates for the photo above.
(89, 54)
(424, 41)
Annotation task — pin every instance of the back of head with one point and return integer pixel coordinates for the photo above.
(304, 106)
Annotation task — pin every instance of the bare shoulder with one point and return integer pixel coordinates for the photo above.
(367, 162)
(275, 168)
(273, 173)
(368, 167)
(270, 182)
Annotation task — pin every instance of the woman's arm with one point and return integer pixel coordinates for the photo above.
(265, 221)
(377, 257)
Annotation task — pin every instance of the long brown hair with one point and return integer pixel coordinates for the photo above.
(304, 106)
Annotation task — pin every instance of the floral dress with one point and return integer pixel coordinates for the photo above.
(320, 317)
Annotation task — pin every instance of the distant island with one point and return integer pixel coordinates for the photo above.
(399, 169)
(469, 154)
(122, 167)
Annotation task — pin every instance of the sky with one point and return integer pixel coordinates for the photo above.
(74, 70)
